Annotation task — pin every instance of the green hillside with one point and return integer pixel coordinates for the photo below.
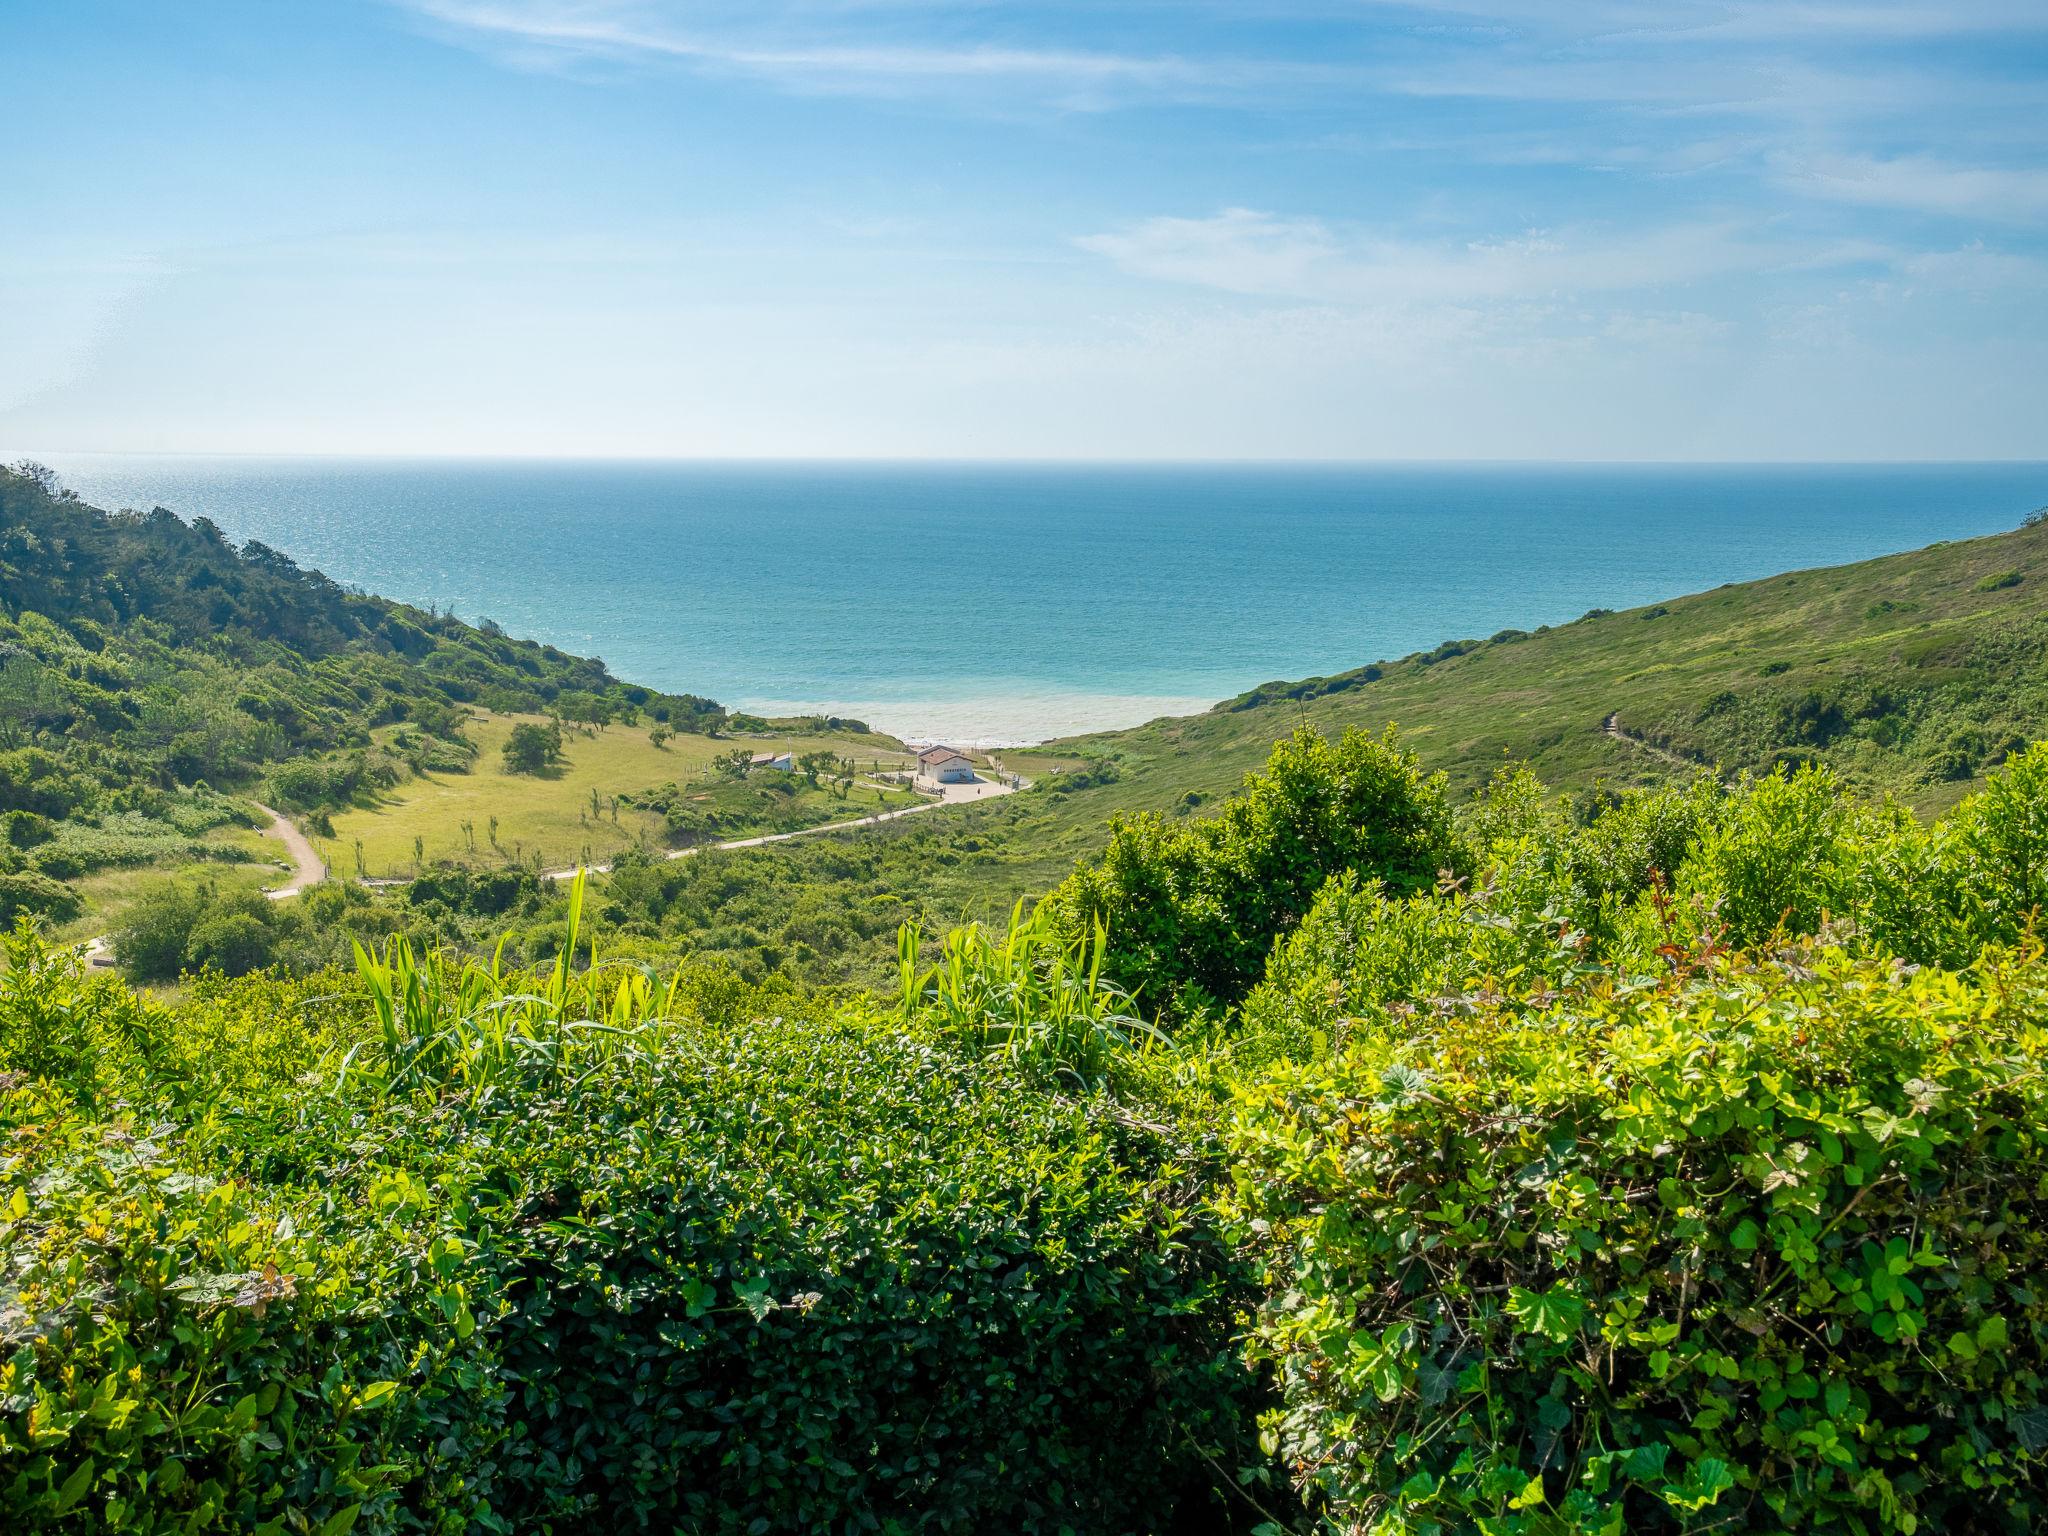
(146, 665)
(157, 682)
(1910, 674)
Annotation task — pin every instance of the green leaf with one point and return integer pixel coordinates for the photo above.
(1555, 1313)
(340, 1523)
(371, 1393)
(75, 1486)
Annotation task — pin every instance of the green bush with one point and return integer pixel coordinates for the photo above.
(1777, 856)
(1758, 1249)
(1193, 906)
(29, 893)
(533, 749)
(459, 1250)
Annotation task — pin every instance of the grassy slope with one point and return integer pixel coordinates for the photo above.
(1545, 699)
(109, 893)
(1911, 619)
(551, 815)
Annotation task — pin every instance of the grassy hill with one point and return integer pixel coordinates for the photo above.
(483, 814)
(1910, 675)
(156, 680)
(143, 659)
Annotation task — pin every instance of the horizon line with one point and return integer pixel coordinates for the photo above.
(1103, 461)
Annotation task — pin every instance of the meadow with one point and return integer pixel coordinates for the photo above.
(252, 864)
(488, 816)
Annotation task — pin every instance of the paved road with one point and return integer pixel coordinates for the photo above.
(949, 794)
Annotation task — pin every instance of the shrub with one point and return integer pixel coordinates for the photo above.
(188, 925)
(468, 1249)
(28, 893)
(1193, 906)
(2001, 836)
(1777, 856)
(533, 748)
(1756, 1250)
(233, 943)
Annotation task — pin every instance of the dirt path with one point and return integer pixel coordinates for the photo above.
(1612, 726)
(949, 794)
(307, 870)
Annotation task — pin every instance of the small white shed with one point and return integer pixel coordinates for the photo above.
(943, 765)
(781, 762)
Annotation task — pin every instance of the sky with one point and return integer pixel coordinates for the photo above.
(1122, 229)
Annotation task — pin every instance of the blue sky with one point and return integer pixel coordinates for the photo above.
(1694, 229)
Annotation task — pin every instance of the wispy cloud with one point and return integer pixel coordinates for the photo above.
(1244, 251)
(1922, 184)
(852, 48)
(1766, 20)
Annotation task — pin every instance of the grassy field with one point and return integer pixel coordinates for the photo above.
(552, 816)
(109, 893)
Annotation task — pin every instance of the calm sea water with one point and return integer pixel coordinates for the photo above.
(1015, 603)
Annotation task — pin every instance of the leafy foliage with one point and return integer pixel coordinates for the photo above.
(1194, 906)
(457, 1247)
(1031, 996)
(533, 747)
(1753, 1248)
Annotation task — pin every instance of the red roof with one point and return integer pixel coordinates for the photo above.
(939, 755)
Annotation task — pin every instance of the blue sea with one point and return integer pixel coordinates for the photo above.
(1000, 603)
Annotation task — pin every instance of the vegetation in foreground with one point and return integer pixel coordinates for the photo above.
(1672, 1162)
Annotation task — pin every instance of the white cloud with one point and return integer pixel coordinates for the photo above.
(1245, 251)
(1922, 184)
(845, 48)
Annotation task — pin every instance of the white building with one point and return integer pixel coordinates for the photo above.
(943, 765)
(781, 762)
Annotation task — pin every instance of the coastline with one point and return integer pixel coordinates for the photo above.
(994, 722)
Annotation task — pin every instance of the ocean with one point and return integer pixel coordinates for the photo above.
(1010, 603)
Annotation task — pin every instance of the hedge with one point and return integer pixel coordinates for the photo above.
(1756, 1249)
(266, 1264)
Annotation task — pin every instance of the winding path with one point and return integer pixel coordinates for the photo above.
(1612, 726)
(307, 870)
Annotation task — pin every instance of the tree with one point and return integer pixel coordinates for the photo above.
(533, 748)
(1193, 907)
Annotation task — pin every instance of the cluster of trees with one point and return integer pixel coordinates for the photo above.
(533, 748)
(140, 651)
